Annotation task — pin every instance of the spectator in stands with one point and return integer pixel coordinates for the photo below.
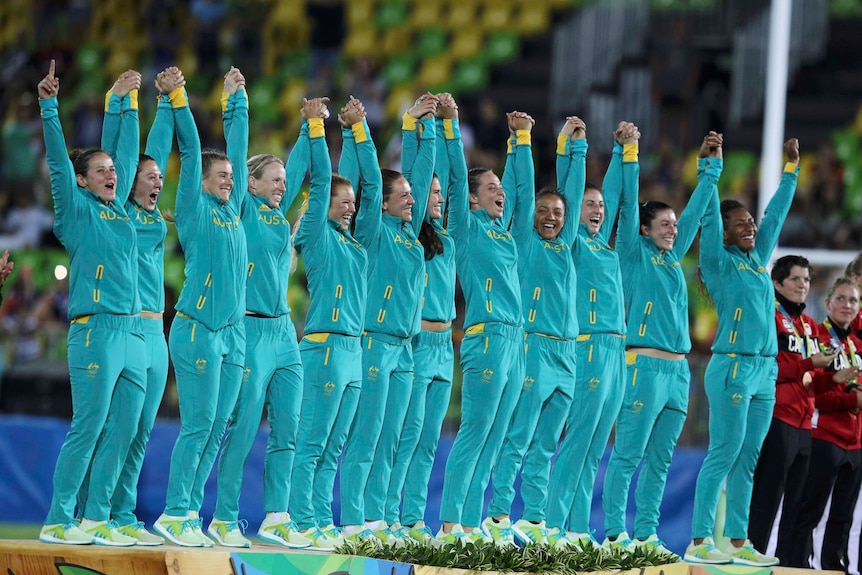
(25, 224)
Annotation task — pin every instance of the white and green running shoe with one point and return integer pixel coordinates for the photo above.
(531, 533)
(707, 553)
(748, 555)
(68, 534)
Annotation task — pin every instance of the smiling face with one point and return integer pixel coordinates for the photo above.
(101, 178)
(593, 210)
(740, 230)
(342, 205)
(662, 229)
(399, 202)
(435, 200)
(843, 305)
(218, 181)
(550, 216)
(796, 285)
(270, 185)
(489, 195)
(148, 185)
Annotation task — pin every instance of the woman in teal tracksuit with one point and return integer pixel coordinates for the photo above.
(393, 316)
(433, 355)
(600, 347)
(207, 337)
(273, 368)
(740, 378)
(335, 264)
(548, 287)
(492, 351)
(656, 397)
(106, 342)
(142, 207)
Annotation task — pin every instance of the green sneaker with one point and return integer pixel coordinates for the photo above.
(530, 533)
(455, 535)
(282, 532)
(621, 541)
(748, 555)
(139, 533)
(106, 533)
(477, 535)
(198, 527)
(68, 534)
(559, 539)
(500, 532)
(321, 540)
(229, 533)
(582, 541)
(361, 533)
(420, 532)
(179, 530)
(655, 545)
(393, 534)
(707, 553)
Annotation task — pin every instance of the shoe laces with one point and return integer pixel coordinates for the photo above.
(191, 524)
(240, 525)
(136, 525)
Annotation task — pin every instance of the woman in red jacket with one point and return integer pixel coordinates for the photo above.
(836, 465)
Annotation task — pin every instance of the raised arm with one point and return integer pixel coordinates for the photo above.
(524, 175)
(190, 187)
(628, 229)
(572, 143)
(348, 163)
(612, 185)
(321, 170)
(419, 131)
(161, 136)
(129, 140)
(63, 182)
(299, 159)
(235, 116)
(710, 164)
(459, 190)
(370, 181)
(441, 159)
(779, 205)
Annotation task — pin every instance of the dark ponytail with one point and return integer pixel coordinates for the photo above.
(430, 240)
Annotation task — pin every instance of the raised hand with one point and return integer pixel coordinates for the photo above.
(353, 112)
(575, 128)
(627, 133)
(128, 81)
(711, 146)
(791, 149)
(314, 108)
(425, 106)
(520, 121)
(446, 106)
(49, 86)
(233, 81)
(169, 80)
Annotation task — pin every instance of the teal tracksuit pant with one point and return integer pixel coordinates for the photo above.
(649, 424)
(387, 367)
(597, 400)
(272, 378)
(433, 360)
(126, 495)
(208, 365)
(741, 394)
(107, 371)
(492, 361)
(332, 378)
(544, 403)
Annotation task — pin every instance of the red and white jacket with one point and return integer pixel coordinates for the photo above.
(837, 419)
(797, 342)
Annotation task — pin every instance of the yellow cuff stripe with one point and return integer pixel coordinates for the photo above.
(562, 139)
(630, 152)
(408, 122)
(790, 168)
(359, 133)
(449, 129)
(524, 137)
(509, 146)
(108, 100)
(315, 127)
(224, 99)
(178, 98)
(133, 99)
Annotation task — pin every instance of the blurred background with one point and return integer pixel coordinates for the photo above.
(677, 68)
